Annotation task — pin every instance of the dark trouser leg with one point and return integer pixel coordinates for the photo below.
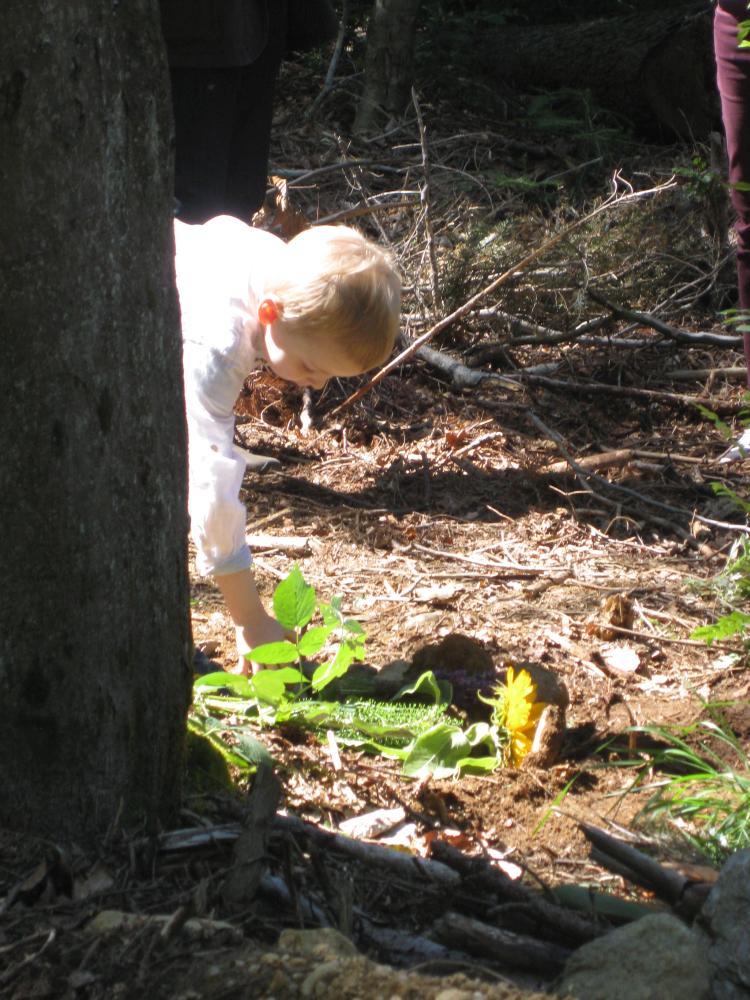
(247, 172)
(733, 77)
(204, 102)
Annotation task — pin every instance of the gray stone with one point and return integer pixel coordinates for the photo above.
(324, 942)
(550, 687)
(725, 917)
(655, 958)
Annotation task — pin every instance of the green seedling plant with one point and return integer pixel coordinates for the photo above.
(701, 180)
(415, 726)
(268, 690)
(732, 585)
(699, 780)
(294, 605)
(740, 320)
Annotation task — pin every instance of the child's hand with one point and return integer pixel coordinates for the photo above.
(266, 630)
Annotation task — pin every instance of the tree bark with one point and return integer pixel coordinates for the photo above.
(389, 63)
(95, 654)
(653, 67)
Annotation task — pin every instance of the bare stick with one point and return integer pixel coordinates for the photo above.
(656, 637)
(611, 202)
(426, 199)
(604, 460)
(337, 50)
(359, 210)
(585, 478)
(518, 951)
(658, 395)
(681, 336)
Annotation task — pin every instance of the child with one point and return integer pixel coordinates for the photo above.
(325, 304)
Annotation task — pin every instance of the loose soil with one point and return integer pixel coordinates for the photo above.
(433, 510)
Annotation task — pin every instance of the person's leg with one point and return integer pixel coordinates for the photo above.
(733, 78)
(204, 103)
(247, 173)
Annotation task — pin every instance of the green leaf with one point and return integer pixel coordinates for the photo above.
(269, 686)
(722, 490)
(316, 714)
(354, 628)
(239, 685)
(477, 765)
(338, 666)
(289, 675)
(313, 640)
(250, 749)
(437, 752)
(331, 613)
(273, 652)
(444, 751)
(723, 428)
(294, 601)
(730, 625)
(481, 732)
(439, 692)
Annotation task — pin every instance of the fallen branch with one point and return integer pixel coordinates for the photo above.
(681, 336)
(371, 855)
(543, 248)
(694, 374)
(524, 332)
(620, 456)
(287, 543)
(558, 922)
(684, 893)
(670, 398)
(251, 847)
(517, 951)
(585, 477)
(655, 637)
(604, 460)
(360, 210)
(461, 376)
(513, 569)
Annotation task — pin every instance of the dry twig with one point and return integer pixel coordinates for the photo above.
(614, 201)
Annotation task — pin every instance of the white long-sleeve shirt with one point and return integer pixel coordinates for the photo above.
(220, 268)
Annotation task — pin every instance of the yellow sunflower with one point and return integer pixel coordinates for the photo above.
(519, 712)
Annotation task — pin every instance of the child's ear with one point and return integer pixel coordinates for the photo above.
(268, 311)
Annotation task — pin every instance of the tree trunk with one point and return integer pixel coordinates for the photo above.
(655, 68)
(389, 63)
(95, 661)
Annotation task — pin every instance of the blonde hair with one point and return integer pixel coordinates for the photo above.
(339, 284)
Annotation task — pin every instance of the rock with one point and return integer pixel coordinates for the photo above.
(655, 958)
(724, 918)
(324, 942)
(548, 738)
(316, 984)
(549, 688)
(550, 730)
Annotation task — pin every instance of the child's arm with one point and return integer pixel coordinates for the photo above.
(254, 626)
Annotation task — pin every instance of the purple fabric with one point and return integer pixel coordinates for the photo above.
(733, 78)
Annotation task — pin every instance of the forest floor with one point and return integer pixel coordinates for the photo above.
(433, 509)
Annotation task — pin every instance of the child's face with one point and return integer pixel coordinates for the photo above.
(306, 361)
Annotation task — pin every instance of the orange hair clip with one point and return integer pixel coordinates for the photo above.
(268, 312)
